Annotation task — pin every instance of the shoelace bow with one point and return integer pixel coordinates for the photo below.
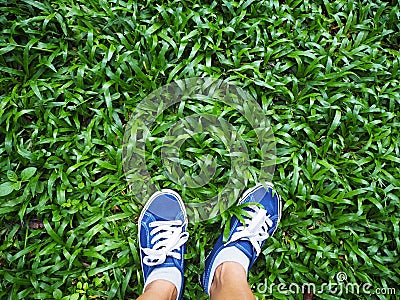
(168, 237)
(255, 229)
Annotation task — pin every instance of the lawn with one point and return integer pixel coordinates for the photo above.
(325, 74)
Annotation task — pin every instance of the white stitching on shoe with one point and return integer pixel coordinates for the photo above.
(168, 237)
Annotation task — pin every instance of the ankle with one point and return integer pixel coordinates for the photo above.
(163, 287)
(228, 271)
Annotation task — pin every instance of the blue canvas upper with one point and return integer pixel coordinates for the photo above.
(270, 201)
(162, 207)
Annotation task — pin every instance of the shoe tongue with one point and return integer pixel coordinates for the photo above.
(248, 249)
(246, 246)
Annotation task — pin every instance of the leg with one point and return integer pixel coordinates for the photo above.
(230, 282)
(159, 289)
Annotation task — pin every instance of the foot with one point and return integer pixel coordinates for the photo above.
(162, 238)
(246, 240)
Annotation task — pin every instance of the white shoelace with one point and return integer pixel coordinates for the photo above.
(256, 228)
(168, 237)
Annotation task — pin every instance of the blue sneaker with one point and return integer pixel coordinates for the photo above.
(162, 238)
(246, 240)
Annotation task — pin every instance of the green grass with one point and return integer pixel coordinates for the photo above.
(326, 74)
